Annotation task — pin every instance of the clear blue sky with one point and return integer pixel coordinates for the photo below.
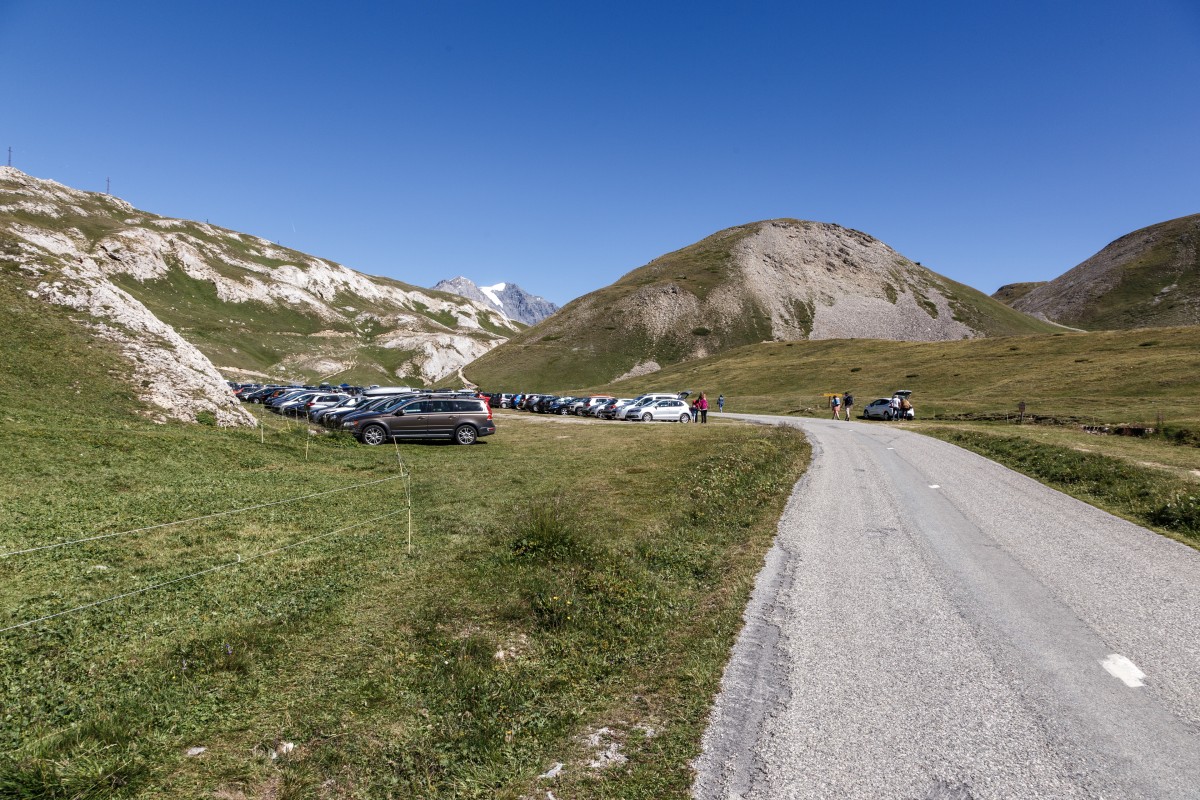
(560, 144)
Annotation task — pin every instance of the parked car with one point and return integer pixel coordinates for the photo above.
(585, 405)
(282, 396)
(641, 401)
(333, 417)
(380, 405)
(318, 403)
(878, 409)
(662, 410)
(612, 408)
(258, 395)
(304, 408)
(560, 405)
(883, 409)
(280, 404)
(462, 420)
(380, 391)
(345, 401)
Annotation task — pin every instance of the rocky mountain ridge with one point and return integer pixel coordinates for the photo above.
(181, 296)
(776, 280)
(1147, 278)
(507, 298)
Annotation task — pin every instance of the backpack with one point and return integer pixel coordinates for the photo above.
(835, 402)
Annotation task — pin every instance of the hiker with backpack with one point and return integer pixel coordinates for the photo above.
(835, 403)
(847, 403)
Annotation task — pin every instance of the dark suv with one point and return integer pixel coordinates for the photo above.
(462, 420)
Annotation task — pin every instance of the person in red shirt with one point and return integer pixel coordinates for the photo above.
(702, 407)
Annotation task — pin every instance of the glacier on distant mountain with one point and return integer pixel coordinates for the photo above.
(491, 291)
(507, 298)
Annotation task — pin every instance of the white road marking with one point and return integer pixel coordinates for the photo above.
(1124, 670)
(934, 486)
(891, 448)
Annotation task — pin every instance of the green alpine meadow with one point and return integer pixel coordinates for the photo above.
(197, 611)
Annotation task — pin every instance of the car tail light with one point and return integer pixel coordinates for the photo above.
(489, 408)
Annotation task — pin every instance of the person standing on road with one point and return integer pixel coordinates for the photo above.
(895, 406)
(702, 405)
(848, 403)
(836, 404)
(721, 403)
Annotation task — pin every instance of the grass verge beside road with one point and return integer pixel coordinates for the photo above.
(1156, 497)
(566, 582)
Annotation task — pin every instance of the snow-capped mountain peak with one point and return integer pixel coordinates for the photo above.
(492, 294)
(509, 299)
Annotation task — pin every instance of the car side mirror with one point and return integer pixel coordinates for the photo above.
(399, 413)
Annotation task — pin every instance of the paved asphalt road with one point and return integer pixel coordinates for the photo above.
(930, 624)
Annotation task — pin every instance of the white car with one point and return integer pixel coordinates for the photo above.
(661, 410)
(640, 402)
(878, 409)
(613, 409)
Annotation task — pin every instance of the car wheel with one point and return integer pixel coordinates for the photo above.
(374, 435)
(647, 417)
(465, 434)
(685, 417)
(564, 411)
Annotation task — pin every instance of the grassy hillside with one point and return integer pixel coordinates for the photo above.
(989, 316)
(1012, 292)
(53, 366)
(1119, 376)
(251, 306)
(1148, 278)
(699, 301)
(599, 335)
(1160, 286)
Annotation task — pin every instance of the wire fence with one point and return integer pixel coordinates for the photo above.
(200, 518)
(217, 568)
(404, 475)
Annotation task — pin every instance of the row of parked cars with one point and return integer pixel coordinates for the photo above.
(648, 407)
(382, 414)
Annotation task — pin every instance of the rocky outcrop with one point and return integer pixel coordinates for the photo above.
(171, 376)
(230, 294)
(821, 281)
